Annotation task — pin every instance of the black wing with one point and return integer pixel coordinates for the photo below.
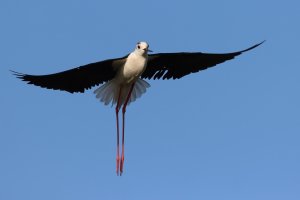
(177, 65)
(77, 79)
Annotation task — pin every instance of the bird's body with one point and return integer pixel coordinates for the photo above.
(133, 68)
(127, 76)
(122, 78)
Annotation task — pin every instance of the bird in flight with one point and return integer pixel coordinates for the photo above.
(122, 78)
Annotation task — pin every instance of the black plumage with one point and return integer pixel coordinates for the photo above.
(161, 65)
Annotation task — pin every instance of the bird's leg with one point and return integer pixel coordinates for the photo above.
(123, 128)
(118, 143)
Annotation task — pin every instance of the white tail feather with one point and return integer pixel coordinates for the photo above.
(109, 92)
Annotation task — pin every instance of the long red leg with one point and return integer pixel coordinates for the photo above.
(118, 143)
(123, 128)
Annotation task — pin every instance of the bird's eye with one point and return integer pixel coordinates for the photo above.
(139, 46)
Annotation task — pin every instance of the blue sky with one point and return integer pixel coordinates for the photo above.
(230, 132)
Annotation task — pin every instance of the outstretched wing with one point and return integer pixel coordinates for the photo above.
(77, 79)
(177, 65)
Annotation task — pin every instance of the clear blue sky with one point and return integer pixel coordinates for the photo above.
(230, 132)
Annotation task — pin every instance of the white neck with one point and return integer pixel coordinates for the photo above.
(140, 52)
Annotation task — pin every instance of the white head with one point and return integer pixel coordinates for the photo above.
(142, 48)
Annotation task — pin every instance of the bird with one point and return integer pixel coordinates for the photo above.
(122, 80)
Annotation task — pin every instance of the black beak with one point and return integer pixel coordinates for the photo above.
(148, 50)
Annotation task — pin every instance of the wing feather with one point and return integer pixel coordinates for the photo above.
(177, 65)
(78, 79)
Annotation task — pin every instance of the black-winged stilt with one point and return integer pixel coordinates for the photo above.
(122, 78)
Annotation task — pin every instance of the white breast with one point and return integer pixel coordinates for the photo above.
(133, 68)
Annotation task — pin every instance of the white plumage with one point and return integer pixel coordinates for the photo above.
(108, 92)
(119, 87)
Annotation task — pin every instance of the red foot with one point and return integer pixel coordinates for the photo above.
(118, 165)
(121, 165)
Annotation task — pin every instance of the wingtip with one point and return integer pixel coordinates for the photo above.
(254, 46)
(16, 73)
(260, 43)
